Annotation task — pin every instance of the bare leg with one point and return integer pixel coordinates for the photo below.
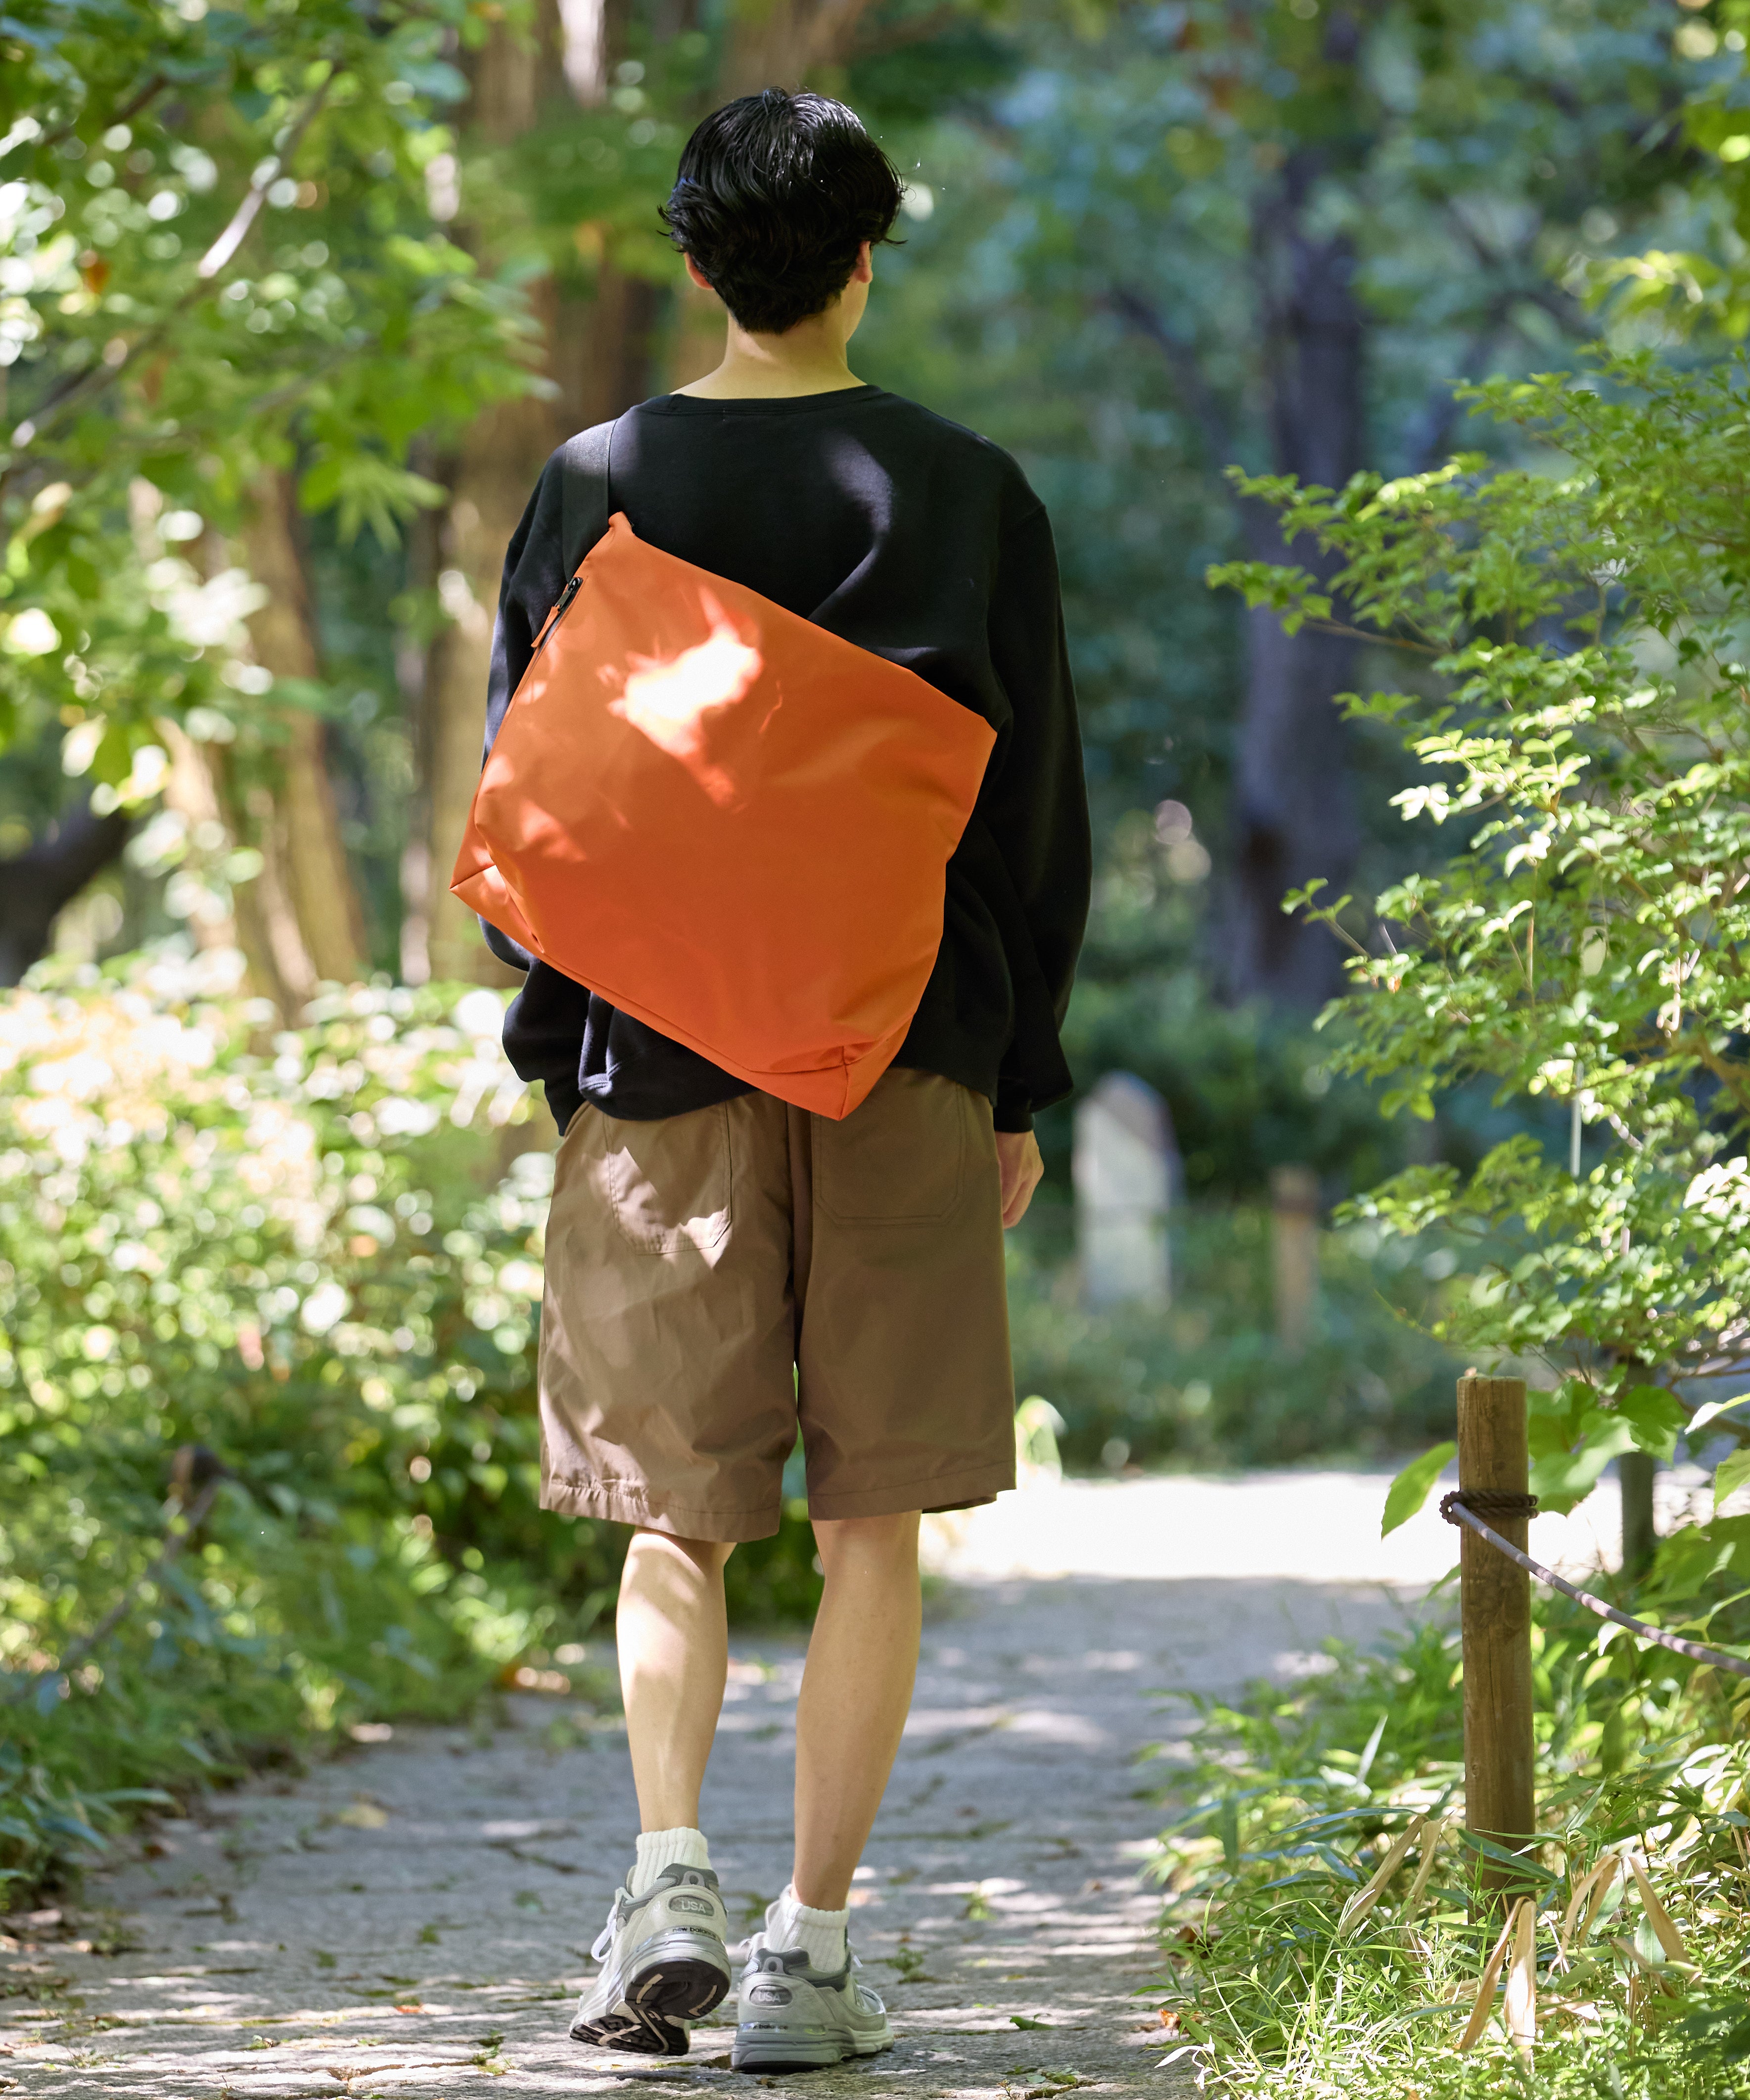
(673, 1657)
(856, 1692)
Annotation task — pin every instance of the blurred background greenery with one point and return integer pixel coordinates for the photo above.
(294, 300)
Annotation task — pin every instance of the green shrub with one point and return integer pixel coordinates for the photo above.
(1206, 1382)
(1247, 1089)
(1287, 1802)
(316, 1259)
(1580, 709)
(1586, 944)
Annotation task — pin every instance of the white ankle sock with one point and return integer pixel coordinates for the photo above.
(820, 1933)
(657, 1849)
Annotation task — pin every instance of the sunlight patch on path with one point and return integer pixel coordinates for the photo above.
(1307, 1527)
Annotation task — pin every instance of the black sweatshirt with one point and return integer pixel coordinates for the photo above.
(920, 541)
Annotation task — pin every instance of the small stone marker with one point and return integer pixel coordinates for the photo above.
(1122, 1173)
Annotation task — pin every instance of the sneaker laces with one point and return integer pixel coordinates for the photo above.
(871, 2002)
(604, 1939)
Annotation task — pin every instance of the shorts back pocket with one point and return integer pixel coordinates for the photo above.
(670, 1181)
(899, 1157)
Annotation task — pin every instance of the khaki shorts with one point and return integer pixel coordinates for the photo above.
(716, 1280)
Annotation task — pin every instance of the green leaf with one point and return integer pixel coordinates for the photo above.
(1409, 1491)
(1691, 1557)
(1658, 1417)
(1731, 1473)
(1560, 1479)
(1704, 1415)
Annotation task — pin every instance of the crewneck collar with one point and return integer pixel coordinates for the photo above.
(760, 405)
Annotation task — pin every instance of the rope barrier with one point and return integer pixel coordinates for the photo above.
(1462, 1507)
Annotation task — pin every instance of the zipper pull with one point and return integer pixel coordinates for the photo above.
(557, 614)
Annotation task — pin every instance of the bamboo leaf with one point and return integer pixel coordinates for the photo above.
(1657, 1916)
(1659, 1971)
(1424, 1868)
(1364, 1899)
(1522, 1978)
(1590, 1891)
(1484, 2001)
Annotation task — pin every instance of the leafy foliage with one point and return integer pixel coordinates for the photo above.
(1695, 279)
(219, 255)
(315, 1260)
(1578, 714)
(1209, 1382)
(1458, 151)
(1588, 940)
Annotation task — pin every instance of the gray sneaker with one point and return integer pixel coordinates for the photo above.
(789, 2017)
(663, 1962)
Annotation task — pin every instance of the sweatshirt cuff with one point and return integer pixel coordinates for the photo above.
(1012, 1111)
(506, 950)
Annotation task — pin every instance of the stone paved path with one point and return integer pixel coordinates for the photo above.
(413, 1918)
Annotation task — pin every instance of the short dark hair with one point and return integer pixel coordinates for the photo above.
(775, 194)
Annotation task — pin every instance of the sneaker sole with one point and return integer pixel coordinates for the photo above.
(778, 2051)
(680, 1976)
(630, 2033)
(678, 1987)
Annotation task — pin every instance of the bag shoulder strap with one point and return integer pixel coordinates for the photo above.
(587, 468)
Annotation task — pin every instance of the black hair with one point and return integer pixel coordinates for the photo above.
(775, 194)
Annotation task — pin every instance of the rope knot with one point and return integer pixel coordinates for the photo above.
(1486, 1502)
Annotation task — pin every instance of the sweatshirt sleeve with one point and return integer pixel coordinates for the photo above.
(534, 574)
(1037, 808)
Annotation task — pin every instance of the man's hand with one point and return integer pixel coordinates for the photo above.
(1021, 1169)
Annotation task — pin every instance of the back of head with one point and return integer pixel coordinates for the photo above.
(776, 194)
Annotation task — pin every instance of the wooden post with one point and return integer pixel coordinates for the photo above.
(1294, 1252)
(1496, 1602)
(1634, 1474)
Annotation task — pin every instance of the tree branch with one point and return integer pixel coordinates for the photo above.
(244, 217)
(221, 252)
(36, 883)
(155, 86)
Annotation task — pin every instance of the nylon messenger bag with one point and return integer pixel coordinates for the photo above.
(729, 822)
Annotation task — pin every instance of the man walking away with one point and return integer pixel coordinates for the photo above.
(724, 1268)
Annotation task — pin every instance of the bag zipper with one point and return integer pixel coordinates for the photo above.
(558, 613)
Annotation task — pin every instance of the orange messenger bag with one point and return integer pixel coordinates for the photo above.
(729, 822)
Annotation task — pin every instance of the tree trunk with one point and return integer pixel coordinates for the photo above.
(413, 663)
(603, 350)
(600, 354)
(491, 475)
(1293, 811)
(261, 922)
(318, 877)
(782, 43)
(1294, 814)
(497, 466)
